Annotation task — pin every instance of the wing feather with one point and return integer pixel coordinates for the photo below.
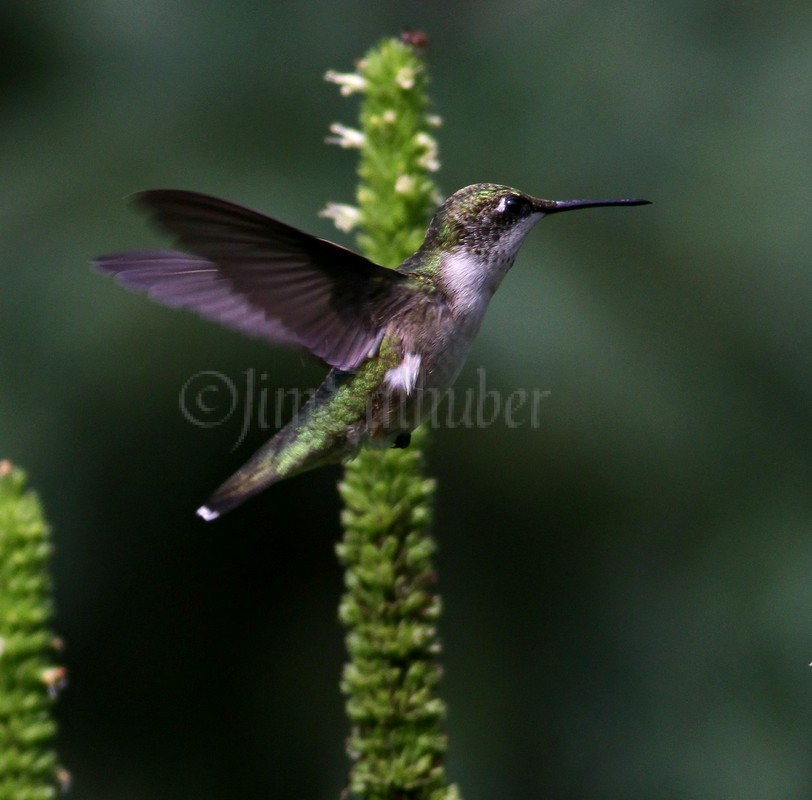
(262, 277)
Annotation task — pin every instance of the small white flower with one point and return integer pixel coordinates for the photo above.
(434, 120)
(405, 78)
(349, 82)
(345, 137)
(345, 217)
(389, 116)
(405, 184)
(55, 679)
(430, 158)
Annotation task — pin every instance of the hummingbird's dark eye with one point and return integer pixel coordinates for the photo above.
(514, 206)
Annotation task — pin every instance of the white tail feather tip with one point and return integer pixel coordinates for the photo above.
(204, 512)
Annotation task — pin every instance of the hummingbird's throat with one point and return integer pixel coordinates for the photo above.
(468, 280)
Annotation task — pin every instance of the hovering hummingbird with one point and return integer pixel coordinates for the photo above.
(395, 339)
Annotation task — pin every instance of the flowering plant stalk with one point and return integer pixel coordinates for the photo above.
(29, 680)
(390, 607)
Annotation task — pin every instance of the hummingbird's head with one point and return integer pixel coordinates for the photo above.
(480, 229)
(485, 221)
(491, 221)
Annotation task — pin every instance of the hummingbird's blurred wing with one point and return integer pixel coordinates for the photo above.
(265, 278)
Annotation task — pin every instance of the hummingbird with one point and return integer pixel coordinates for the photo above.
(394, 339)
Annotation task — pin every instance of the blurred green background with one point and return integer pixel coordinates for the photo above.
(628, 587)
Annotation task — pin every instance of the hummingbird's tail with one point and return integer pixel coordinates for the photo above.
(317, 435)
(294, 449)
(258, 473)
(251, 478)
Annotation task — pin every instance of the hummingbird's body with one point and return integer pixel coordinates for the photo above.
(396, 339)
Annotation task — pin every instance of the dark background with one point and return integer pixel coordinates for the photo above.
(627, 586)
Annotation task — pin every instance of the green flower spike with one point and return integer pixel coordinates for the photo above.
(29, 680)
(390, 607)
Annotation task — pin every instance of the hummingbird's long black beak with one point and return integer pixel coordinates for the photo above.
(555, 206)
